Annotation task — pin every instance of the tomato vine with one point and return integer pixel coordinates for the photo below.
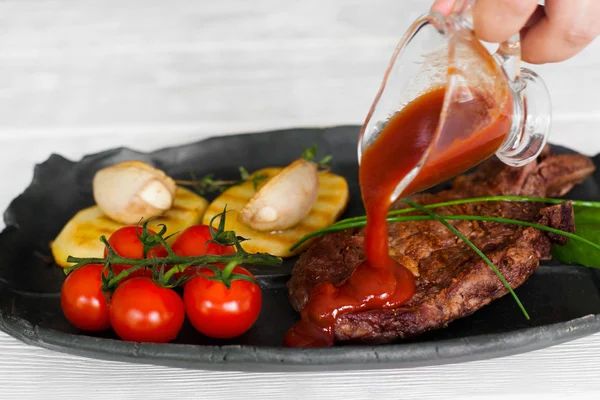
(164, 276)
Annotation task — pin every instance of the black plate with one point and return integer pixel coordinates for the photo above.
(563, 301)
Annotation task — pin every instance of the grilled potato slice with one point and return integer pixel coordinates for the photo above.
(331, 202)
(80, 237)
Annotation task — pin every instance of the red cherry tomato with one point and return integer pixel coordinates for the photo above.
(82, 300)
(195, 241)
(142, 311)
(219, 312)
(125, 243)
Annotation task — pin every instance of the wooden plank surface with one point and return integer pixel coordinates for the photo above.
(80, 77)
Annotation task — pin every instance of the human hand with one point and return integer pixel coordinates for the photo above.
(550, 33)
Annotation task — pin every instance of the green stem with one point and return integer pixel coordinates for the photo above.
(163, 242)
(523, 223)
(176, 262)
(123, 274)
(245, 258)
(358, 224)
(516, 222)
(474, 248)
(175, 270)
(580, 203)
(186, 182)
(226, 274)
(349, 225)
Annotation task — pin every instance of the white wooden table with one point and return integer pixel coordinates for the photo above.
(80, 77)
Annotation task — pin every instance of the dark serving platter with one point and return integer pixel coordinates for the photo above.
(563, 301)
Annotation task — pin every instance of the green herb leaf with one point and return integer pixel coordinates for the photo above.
(257, 179)
(208, 184)
(310, 153)
(244, 174)
(587, 225)
(324, 163)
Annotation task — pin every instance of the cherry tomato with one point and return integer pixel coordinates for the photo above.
(195, 241)
(125, 243)
(142, 311)
(219, 312)
(82, 300)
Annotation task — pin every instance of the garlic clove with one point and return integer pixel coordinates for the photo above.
(285, 199)
(157, 194)
(132, 191)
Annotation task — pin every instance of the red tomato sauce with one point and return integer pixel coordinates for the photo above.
(469, 136)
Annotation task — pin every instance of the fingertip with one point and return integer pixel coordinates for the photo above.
(443, 6)
(497, 20)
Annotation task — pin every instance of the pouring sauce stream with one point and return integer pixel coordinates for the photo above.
(469, 136)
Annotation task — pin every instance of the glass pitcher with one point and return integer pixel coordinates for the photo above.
(441, 51)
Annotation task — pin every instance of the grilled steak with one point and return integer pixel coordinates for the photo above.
(452, 281)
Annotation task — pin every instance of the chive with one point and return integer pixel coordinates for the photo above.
(474, 248)
(358, 224)
(522, 223)
(354, 224)
(580, 203)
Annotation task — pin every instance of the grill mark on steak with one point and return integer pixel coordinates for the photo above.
(452, 281)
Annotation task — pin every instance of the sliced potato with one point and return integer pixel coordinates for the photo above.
(331, 202)
(80, 237)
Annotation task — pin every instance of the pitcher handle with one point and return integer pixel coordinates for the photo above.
(532, 108)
